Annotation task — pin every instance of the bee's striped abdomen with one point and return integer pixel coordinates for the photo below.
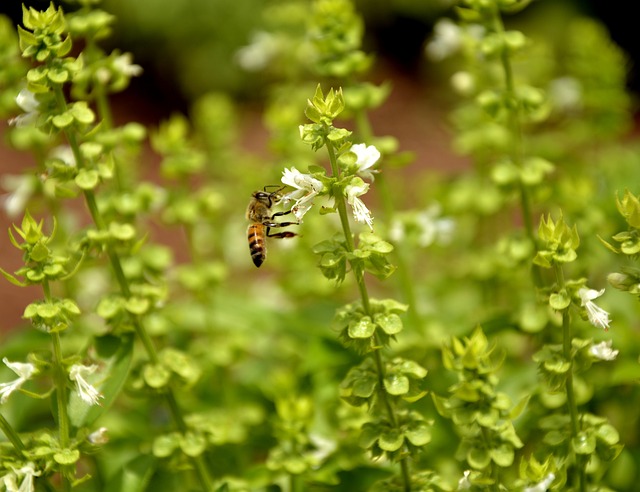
(257, 244)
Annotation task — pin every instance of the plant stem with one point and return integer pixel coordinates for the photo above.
(11, 434)
(116, 265)
(60, 377)
(571, 399)
(517, 149)
(366, 306)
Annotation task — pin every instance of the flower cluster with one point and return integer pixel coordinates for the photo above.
(307, 186)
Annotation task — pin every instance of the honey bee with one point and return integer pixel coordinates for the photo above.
(262, 220)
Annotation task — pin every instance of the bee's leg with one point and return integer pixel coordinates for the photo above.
(281, 224)
(281, 235)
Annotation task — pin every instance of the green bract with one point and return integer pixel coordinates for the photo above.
(558, 242)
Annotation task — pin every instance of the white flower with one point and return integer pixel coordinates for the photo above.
(24, 372)
(9, 482)
(463, 83)
(99, 436)
(543, 486)
(65, 154)
(20, 188)
(367, 156)
(87, 392)
(447, 39)
(124, 64)
(426, 224)
(464, 483)
(360, 211)
(29, 104)
(257, 55)
(565, 93)
(306, 189)
(597, 316)
(323, 447)
(28, 472)
(603, 351)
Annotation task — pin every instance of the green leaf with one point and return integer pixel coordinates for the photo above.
(123, 232)
(391, 440)
(362, 328)
(109, 307)
(193, 444)
(584, 443)
(364, 387)
(62, 120)
(87, 179)
(478, 458)
(396, 385)
(47, 310)
(519, 408)
(164, 446)
(419, 435)
(67, 456)
(82, 113)
(559, 300)
(391, 323)
(57, 75)
(134, 476)
(39, 252)
(137, 305)
(503, 455)
(12, 279)
(608, 434)
(156, 375)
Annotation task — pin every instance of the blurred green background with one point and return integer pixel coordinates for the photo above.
(189, 47)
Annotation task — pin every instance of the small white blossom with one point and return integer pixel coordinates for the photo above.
(447, 39)
(99, 436)
(257, 55)
(367, 156)
(20, 188)
(323, 447)
(464, 483)
(124, 64)
(543, 486)
(9, 482)
(565, 93)
(65, 154)
(360, 211)
(603, 351)
(24, 372)
(87, 392)
(306, 189)
(28, 472)
(427, 224)
(597, 316)
(29, 104)
(463, 83)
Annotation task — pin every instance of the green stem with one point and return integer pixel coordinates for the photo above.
(517, 150)
(571, 399)
(60, 377)
(11, 434)
(358, 273)
(116, 265)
